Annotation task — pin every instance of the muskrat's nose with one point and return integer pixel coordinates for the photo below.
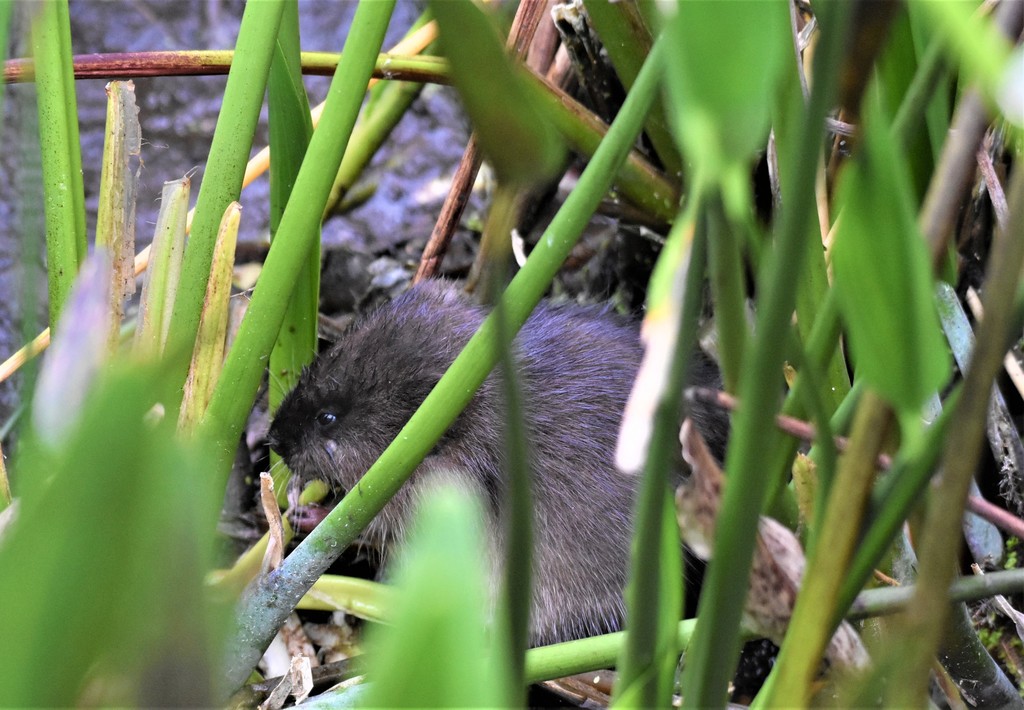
(277, 442)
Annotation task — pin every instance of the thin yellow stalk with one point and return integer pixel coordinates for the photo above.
(5, 483)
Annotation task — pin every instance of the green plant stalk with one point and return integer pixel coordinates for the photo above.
(892, 501)
(813, 289)
(77, 184)
(646, 674)
(63, 195)
(824, 336)
(562, 659)
(229, 153)
(360, 597)
(940, 533)
(651, 657)
(716, 641)
(823, 452)
(889, 600)
(370, 107)
(516, 590)
(821, 345)
(387, 104)
(810, 628)
(638, 181)
(266, 605)
(627, 40)
(25, 149)
(5, 483)
(811, 294)
(290, 130)
(229, 583)
(936, 111)
(930, 71)
(297, 233)
(393, 100)
(725, 264)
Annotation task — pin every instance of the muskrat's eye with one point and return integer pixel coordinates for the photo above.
(326, 418)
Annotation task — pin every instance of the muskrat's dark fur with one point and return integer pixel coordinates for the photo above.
(575, 368)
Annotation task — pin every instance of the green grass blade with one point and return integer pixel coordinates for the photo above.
(973, 38)
(512, 132)
(883, 277)
(813, 288)
(931, 91)
(290, 131)
(720, 114)
(900, 71)
(102, 571)
(439, 636)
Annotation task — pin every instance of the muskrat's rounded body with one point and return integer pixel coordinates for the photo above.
(575, 366)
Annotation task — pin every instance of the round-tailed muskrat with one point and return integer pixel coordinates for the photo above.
(575, 366)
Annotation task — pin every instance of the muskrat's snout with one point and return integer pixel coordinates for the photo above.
(280, 442)
(274, 441)
(289, 428)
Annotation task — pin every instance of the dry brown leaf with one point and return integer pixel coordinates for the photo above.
(778, 563)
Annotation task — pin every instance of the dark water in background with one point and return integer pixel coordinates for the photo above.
(178, 115)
